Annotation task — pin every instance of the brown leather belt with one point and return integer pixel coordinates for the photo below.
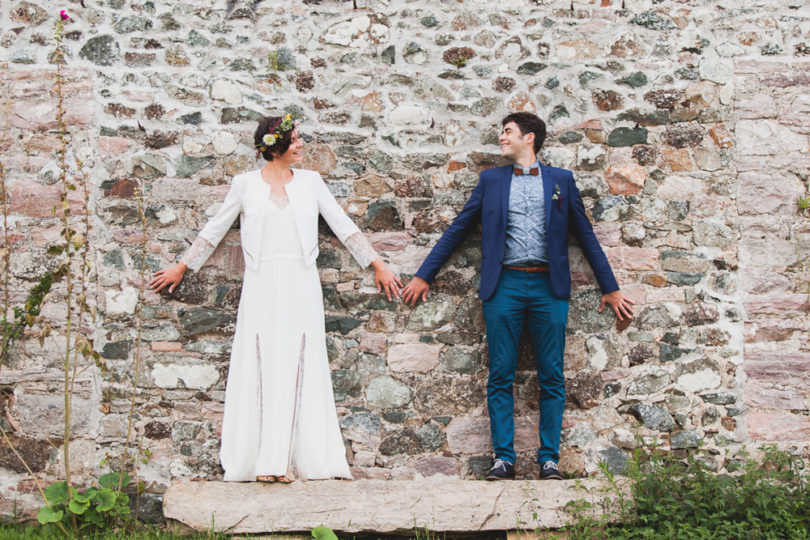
(528, 268)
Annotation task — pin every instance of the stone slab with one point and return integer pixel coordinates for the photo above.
(380, 506)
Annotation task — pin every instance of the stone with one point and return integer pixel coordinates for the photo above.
(584, 390)
(624, 136)
(409, 116)
(462, 361)
(127, 25)
(387, 393)
(698, 376)
(653, 416)
(654, 21)
(413, 357)
(636, 79)
(435, 505)
(29, 14)
(607, 100)
(402, 442)
(431, 437)
(226, 91)
(198, 320)
(716, 70)
(649, 383)
(437, 465)
(189, 165)
(577, 49)
(531, 68)
(431, 315)
(684, 439)
(682, 136)
(102, 50)
(34, 453)
(615, 459)
(777, 427)
(626, 180)
(198, 377)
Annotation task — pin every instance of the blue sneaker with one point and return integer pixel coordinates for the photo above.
(501, 470)
(549, 471)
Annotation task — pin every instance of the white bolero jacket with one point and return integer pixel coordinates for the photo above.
(248, 198)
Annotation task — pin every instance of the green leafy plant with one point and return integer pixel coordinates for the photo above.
(323, 533)
(99, 506)
(272, 61)
(673, 497)
(803, 203)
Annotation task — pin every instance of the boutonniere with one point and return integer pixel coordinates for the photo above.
(557, 196)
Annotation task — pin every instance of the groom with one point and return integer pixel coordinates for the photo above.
(526, 211)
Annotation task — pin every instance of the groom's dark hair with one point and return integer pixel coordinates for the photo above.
(528, 123)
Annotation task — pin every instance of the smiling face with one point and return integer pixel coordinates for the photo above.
(294, 153)
(515, 145)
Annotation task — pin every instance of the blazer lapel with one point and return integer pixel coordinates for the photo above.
(506, 184)
(547, 192)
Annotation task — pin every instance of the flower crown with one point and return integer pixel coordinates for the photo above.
(281, 126)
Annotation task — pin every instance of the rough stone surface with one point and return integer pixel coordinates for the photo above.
(690, 156)
(440, 504)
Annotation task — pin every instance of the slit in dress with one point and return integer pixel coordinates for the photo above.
(299, 389)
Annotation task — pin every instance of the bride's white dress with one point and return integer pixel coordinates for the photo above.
(280, 416)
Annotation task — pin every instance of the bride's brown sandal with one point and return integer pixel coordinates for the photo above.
(283, 480)
(267, 479)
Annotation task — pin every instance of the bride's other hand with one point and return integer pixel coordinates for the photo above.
(171, 276)
(386, 279)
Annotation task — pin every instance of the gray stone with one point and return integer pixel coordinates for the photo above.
(624, 136)
(584, 317)
(387, 393)
(654, 21)
(149, 507)
(653, 416)
(684, 439)
(656, 316)
(185, 431)
(198, 320)
(683, 135)
(34, 453)
(117, 350)
(402, 442)
(646, 118)
(342, 324)
(233, 115)
(486, 106)
(615, 459)
(670, 353)
(347, 382)
(720, 398)
(433, 314)
(584, 389)
(389, 55)
(649, 383)
(195, 39)
(189, 165)
(580, 435)
(637, 79)
(429, 21)
(242, 64)
(431, 437)
(127, 25)
(102, 50)
(531, 68)
(361, 426)
(462, 361)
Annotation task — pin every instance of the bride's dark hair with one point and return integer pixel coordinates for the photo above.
(269, 125)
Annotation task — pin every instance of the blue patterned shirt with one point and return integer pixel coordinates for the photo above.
(526, 221)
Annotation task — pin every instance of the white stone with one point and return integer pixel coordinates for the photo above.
(763, 137)
(443, 180)
(678, 188)
(410, 116)
(587, 155)
(454, 134)
(166, 215)
(224, 143)
(557, 156)
(511, 52)
(121, 302)
(226, 91)
(343, 33)
(192, 146)
(728, 49)
(196, 376)
(378, 32)
(413, 357)
(598, 356)
(705, 379)
(719, 71)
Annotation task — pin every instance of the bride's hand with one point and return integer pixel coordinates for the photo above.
(386, 279)
(172, 276)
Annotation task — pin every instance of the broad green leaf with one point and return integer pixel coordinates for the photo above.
(106, 500)
(57, 492)
(92, 516)
(77, 507)
(47, 514)
(323, 533)
(110, 480)
(82, 497)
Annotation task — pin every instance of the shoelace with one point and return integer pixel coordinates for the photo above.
(549, 465)
(499, 464)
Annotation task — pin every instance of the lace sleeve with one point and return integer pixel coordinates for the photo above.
(196, 255)
(361, 249)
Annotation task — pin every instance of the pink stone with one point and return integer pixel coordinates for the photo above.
(113, 145)
(577, 48)
(797, 113)
(771, 330)
(433, 465)
(31, 199)
(319, 157)
(670, 294)
(592, 123)
(390, 241)
(469, 435)
(757, 106)
(765, 397)
(413, 357)
(632, 258)
(785, 427)
(373, 343)
(608, 233)
(615, 375)
(166, 346)
(636, 292)
(768, 193)
(759, 66)
(782, 367)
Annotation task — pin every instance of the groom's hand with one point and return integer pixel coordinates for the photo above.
(413, 290)
(622, 306)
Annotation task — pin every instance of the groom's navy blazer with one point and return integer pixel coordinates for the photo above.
(489, 202)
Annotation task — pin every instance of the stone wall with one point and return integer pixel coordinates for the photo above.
(685, 122)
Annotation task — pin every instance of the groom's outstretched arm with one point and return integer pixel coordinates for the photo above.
(420, 284)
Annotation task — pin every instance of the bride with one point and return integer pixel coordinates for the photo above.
(280, 420)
